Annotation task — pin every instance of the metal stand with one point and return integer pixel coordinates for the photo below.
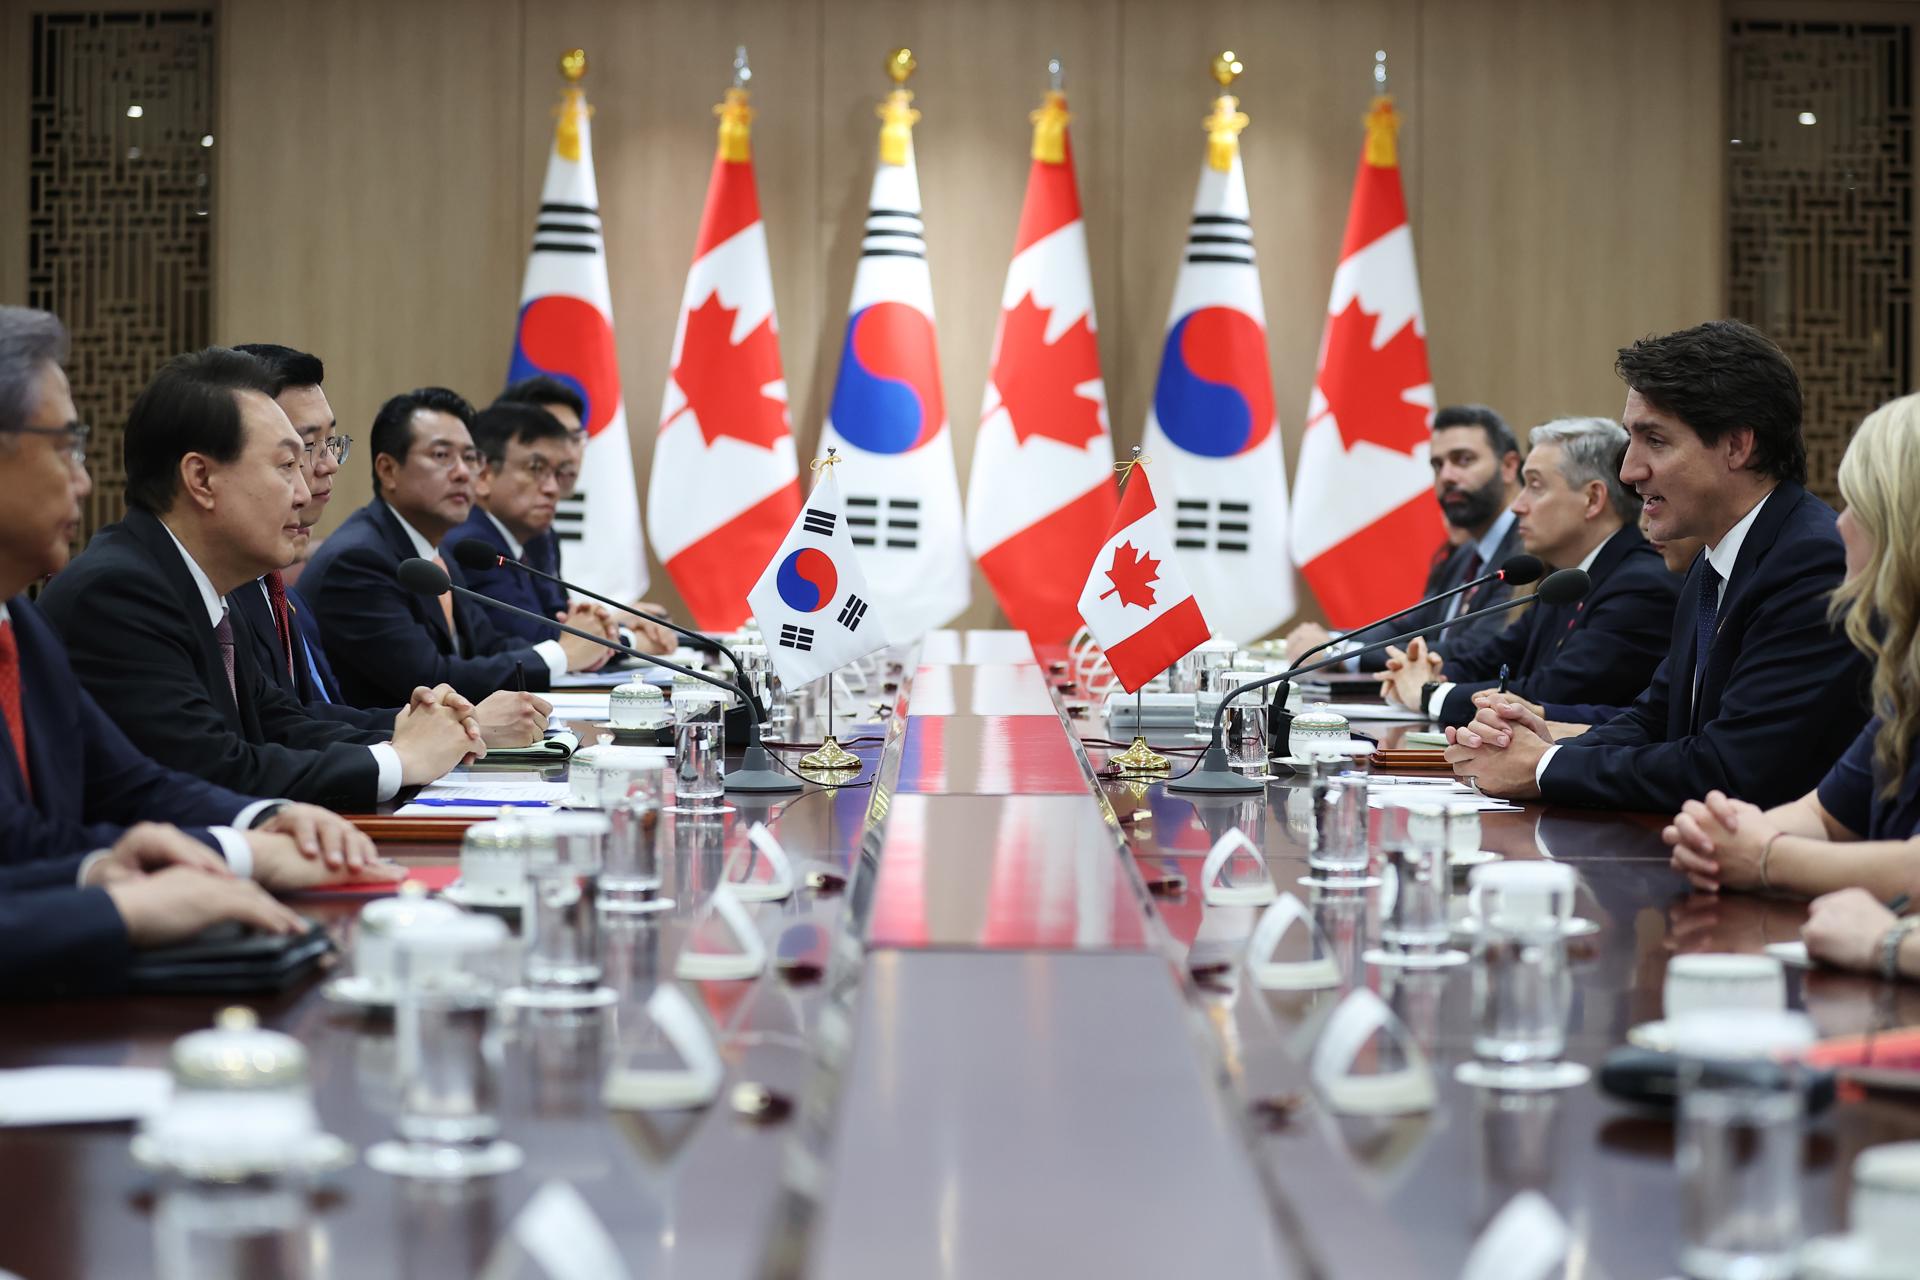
(1140, 758)
(831, 756)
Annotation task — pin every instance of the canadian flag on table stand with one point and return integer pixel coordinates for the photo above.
(1212, 425)
(566, 332)
(1366, 523)
(1136, 602)
(812, 601)
(888, 417)
(725, 483)
(1041, 493)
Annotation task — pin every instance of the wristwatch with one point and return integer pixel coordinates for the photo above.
(1427, 691)
(1890, 946)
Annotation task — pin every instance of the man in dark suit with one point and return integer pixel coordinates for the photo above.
(69, 779)
(569, 409)
(1476, 477)
(383, 639)
(214, 491)
(1573, 512)
(522, 449)
(1759, 693)
(276, 622)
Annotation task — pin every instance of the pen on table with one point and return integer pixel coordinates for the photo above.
(1503, 677)
(520, 677)
(451, 802)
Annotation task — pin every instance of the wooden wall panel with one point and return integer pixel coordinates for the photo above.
(380, 165)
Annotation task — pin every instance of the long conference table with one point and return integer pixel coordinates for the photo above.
(1001, 1061)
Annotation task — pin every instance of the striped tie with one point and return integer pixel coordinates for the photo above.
(446, 604)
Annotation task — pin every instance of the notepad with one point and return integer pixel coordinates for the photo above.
(81, 1095)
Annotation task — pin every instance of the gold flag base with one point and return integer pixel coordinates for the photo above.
(1141, 758)
(831, 756)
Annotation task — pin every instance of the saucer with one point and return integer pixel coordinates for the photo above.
(355, 992)
(322, 1153)
(1534, 1079)
(1793, 953)
(1381, 958)
(584, 998)
(635, 735)
(460, 896)
(1572, 927)
(1472, 858)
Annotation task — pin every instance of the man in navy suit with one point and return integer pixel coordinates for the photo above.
(522, 449)
(569, 408)
(1759, 693)
(382, 639)
(1573, 512)
(214, 494)
(70, 781)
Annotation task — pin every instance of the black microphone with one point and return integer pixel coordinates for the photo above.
(1214, 774)
(756, 772)
(1515, 571)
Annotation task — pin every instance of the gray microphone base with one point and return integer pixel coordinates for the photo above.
(757, 774)
(1214, 776)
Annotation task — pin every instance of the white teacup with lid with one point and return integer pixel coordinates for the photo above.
(493, 865)
(605, 764)
(241, 1107)
(1319, 723)
(639, 705)
(379, 922)
(1709, 981)
(1885, 1211)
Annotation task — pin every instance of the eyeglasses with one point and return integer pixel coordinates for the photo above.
(75, 434)
(338, 446)
(443, 457)
(538, 469)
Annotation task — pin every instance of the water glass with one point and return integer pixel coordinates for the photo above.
(1245, 730)
(630, 879)
(236, 1232)
(1418, 923)
(1522, 997)
(1210, 659)
(560, 929)
(699, 743)
(1337, 783)
(756, 669)
(449, 975)
(1522, 897)
(1738, 1146)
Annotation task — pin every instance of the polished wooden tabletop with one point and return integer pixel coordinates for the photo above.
(1001, 1060)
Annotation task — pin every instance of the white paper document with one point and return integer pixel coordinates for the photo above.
(471, 793)
(81, 1095)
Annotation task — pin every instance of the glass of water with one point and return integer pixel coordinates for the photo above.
(631, 879)
(559, 926)
(1522, 996)
(1417, 921)
(699, 744)
(448, 977)
(1245, 730)
(1337, 784)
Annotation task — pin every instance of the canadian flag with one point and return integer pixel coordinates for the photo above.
(1366, 524)
(566, 332)
(1136, 602)
(725, 484)
(1041, 493)
(1211, 426)
(888, 416)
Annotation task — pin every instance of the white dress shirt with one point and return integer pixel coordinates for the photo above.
(549, 650)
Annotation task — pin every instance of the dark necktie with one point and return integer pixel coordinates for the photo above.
(224, 634)
(10, 708)
(1475, 563)
(1707, 617)
(282, 619)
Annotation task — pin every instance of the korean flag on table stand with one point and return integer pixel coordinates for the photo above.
(1212, 423)
(888, 418)
(812, 602)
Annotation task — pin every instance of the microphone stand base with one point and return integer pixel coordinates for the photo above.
(1141, 758)
(831, 756)
(756, 774)
(1213, 776)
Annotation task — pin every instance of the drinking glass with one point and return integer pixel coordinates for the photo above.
(448, 974)
(630, 880)
(1522, 996)
(699, 743)
(559, 927)
(1211, 658)
(1337, 783)
(1245, 730)
(1417, 923)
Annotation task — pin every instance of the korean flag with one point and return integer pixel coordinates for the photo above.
(812, 602)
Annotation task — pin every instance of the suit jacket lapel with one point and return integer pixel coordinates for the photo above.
(152, 535)
(39, 708)
(425, 608)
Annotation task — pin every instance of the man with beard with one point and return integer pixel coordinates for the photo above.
(1476, 477)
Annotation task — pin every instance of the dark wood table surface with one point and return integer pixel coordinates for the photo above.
(1000, 1061)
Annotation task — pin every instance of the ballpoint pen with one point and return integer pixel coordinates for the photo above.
(520, 677)
(1503, 677)
(449, 802)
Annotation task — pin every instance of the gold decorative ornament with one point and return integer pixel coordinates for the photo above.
(830, 758)
(736, 116)
(573, 65)
(1050, 128)
(1383, 133)
(897, 114)
(1224, 125)
(1140, 758)
(573, 111)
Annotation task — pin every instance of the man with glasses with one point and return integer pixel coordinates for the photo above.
(383, 639)
(523, 449)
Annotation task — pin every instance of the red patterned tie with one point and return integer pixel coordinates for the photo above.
(10, 699)
(282, 617)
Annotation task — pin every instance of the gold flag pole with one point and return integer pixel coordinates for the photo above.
(831, 757)
(1138, 758)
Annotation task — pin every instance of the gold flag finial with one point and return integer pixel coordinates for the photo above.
(1383, 133)
(573, 65)
(736, 117)
(897, 115)
(1126, 465)
(572, 112)
(821, 464)
(1224, 125)
(1050, 125)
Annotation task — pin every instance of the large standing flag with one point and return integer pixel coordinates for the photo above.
(1212, 423)
(1041, 494)
(812, 601)
(725, 481)
(1367, 523)
(888, 418)
(566, 332)
(1136, 602)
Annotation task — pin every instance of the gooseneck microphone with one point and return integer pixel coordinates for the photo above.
(478, 553)
(756, 772)
(1215, 774)
(1515, 571)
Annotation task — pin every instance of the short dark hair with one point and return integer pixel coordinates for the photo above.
(290, 368)
(1500, 437)
(393, 426)
(191, 406)
(499, 425)
(1718, 377)
(541, 389)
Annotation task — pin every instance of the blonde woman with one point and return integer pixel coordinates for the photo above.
(1860, 828)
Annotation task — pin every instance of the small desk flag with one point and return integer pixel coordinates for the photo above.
(1136, 601)
(812, 602)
